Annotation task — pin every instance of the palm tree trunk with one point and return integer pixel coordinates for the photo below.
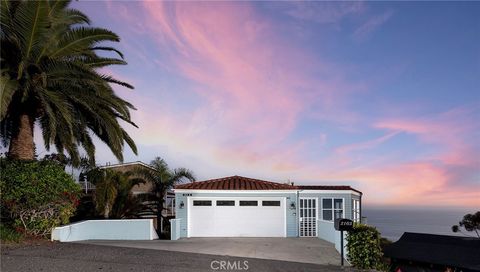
(106, 211)
(159, 215)
(22, 146)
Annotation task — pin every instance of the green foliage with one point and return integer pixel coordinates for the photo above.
(363, 244)
(37, 195)
(85, 209)
(113, 197)
(162, 178)
(470, 222)
(8, 234)
(50, 72)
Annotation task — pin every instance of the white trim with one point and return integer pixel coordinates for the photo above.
(356, 210)
(187, 206)
(197, 191)
(303, 191)
(326, 221)
(316, 219)
(284, 216)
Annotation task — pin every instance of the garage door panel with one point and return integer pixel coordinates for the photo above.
(201, 227)
(237, 221)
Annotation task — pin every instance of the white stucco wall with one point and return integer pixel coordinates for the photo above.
(327, 232)
(121, 229)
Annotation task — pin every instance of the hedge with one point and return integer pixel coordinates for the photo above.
(363, 244)
(37, 195)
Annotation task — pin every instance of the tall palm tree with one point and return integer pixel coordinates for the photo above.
(163, 178)
(50, 76)
(113, 197)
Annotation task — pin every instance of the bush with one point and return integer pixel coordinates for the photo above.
(8, 234)
(363, 244)
(37, 195)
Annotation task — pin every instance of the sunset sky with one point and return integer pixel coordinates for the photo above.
(381, 96)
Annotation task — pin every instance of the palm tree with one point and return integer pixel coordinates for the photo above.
(163, 178)
(113, 197)
(50, 76)
(126, 204)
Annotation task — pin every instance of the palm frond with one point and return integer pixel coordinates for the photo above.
(31, 22)
(8, 87)
(110, 79)
(181, 175)
(106, 48)
(79, 39)
(49, 71)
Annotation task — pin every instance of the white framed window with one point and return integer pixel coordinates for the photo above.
(356, 210)
(332, 208)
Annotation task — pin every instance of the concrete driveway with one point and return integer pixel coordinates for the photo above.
(303, 250)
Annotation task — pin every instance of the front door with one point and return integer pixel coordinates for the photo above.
(308, 217)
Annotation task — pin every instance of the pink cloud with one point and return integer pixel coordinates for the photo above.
(453, 132)
(252, 87)
(253, 83)
(365, 145)
(447, 176)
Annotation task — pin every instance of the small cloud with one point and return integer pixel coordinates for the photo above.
(324, 12)
(364, 31)
(366, 145)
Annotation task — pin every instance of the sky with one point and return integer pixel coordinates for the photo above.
(382, 96)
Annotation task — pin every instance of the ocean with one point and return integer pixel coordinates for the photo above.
(392, 223)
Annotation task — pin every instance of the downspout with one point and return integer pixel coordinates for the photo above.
(298, 214)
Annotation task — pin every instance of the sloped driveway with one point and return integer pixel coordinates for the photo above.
(303, 250)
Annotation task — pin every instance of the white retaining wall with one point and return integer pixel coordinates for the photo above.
(327, 232)
(175, 229)
(115, 229)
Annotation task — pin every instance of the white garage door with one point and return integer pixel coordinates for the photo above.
(236, 217)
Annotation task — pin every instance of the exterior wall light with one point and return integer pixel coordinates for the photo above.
(181, 205)
(292, 205)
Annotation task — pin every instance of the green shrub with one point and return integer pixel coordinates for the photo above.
(8, 234)
(37, 195)
(363, 244)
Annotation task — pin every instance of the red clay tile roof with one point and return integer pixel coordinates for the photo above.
(235, 183)
(243, 183)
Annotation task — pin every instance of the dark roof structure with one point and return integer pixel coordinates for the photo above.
(243, 183)
(451, 251)
(326, 187)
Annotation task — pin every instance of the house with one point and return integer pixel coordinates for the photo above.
(143, 188)
(244, 207)
(131, 166)
(430, 252)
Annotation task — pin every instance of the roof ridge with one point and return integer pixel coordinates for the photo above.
(237, 182)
